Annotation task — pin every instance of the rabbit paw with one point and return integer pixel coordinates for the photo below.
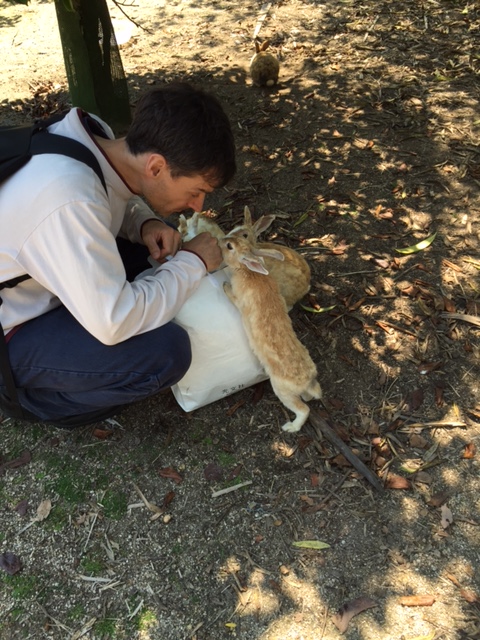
(290, 427)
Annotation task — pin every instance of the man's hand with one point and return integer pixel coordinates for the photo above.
(206, 246)
(160, 239)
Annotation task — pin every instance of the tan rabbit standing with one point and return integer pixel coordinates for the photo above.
(264, 67)
(286, 361)
(292, 274)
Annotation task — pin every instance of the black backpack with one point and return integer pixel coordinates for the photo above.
(17, 146)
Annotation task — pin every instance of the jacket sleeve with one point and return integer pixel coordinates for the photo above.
(73, 254)
(136, 213)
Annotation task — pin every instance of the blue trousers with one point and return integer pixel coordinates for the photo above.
(61, 370)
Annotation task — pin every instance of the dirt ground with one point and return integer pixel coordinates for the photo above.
(367, 145)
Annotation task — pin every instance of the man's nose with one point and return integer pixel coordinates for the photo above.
(197, 203)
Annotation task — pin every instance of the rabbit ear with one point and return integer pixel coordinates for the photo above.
(254, 265)
(262, 224)
(182, 224)
(269, 253)
(247, 216)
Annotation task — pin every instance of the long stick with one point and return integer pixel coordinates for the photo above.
(324, 429)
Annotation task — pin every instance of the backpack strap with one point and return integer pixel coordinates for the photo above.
(44, 142)
(9, 284)
(32, 141)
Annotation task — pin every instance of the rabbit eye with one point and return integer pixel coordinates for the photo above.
(229, 246)
(245, 234)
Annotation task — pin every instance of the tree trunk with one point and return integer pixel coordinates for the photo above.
(95, 74)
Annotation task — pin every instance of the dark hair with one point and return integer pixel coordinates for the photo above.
(189, 128)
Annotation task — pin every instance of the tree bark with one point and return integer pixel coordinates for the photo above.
(93, 64)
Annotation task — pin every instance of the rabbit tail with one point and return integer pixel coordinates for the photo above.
(314, 390)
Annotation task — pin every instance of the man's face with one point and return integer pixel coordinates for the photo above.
(167, 194)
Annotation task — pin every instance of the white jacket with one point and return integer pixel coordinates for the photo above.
(58, 225)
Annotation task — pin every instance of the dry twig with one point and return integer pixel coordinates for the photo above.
(324, 429)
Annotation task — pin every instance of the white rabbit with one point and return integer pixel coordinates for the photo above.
(292, 274)
(268, 326)
(196, 224)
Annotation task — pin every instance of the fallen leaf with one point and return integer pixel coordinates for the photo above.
(314, 480)
(448, 305)
(168, 499)
(411, 466)
(310, 544)
(340, 248)
(447, 516)
(24, 458)
(301, 219)
(427, 367)
(341, 461)
(213, 472)
(234, 473)
(168, 472)
(411, 291)
(10, 563)
(22, 508)
(395, 481)
(439, 498)
(417, 441)
(414, 248)
(102, 434)
(236, 406)
(414, 400)
(467, 594)
(319, 310)
(470, 451)
(423, 477)
(43, 510)
(381, 262)
(417, 601)
(350, 609)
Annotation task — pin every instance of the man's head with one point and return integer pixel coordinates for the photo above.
(188, 129)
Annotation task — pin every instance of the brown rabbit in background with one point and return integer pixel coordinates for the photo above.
(292, 274)
(269, 329)
(264, 67)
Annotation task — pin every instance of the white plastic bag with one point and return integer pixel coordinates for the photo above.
(222, 360)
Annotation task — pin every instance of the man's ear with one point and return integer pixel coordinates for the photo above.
(155, 164)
